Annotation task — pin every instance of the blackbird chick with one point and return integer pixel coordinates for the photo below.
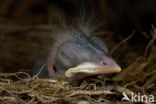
(77, 54)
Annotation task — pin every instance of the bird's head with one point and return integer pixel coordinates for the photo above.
(82, 56)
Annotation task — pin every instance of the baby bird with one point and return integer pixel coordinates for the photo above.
(77, 54)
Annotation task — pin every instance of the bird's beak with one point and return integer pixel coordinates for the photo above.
(91, 68)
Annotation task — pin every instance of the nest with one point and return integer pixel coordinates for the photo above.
(138, 76)
(20, 88)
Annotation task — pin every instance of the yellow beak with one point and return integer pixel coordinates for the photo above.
(90, 68)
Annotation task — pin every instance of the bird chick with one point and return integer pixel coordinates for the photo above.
(77, 54)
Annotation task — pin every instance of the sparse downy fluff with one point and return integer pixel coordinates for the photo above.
(77, 53)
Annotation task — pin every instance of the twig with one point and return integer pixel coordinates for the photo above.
(41, 69)
(122, 42)
(80, 92)
(150, 42)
